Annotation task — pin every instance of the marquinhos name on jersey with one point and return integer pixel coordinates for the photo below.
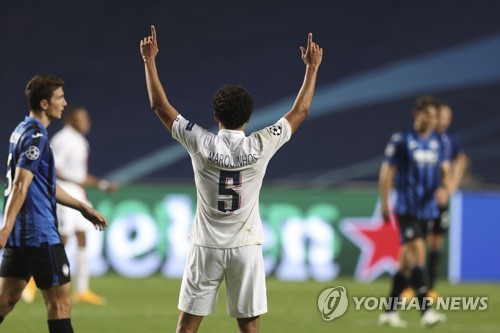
(229, 161)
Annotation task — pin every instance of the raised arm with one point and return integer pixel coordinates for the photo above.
(157, 97)
(312, 56)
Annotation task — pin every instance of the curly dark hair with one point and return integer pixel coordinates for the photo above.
(233, 106)
(41, 87)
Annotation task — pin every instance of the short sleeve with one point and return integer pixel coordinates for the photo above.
(275, 136)
(456, 146)
(446, 148)
(393, 149)
(32, 150)
(188, 134)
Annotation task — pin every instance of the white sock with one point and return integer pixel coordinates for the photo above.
(82, 270)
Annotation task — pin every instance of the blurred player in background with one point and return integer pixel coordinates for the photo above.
(71, 150)
(417, 161)
(459, 161)
(229, 167)
(29, 236)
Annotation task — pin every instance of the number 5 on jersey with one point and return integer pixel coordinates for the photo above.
(228, 181)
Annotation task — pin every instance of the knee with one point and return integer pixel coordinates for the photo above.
(186, 327)
(7, 303)
(249, 325)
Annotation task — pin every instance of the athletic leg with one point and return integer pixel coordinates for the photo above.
(58, 302)
(11, 289)
(248, 325)
(188, 323)
(418, 250)
(435, 245)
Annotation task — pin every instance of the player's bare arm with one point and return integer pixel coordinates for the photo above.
(386, 176)
(88, 212)
(157, 97)
(312, 57)
(458, 167)
(20, 185)
(444, 191)
(101, 184)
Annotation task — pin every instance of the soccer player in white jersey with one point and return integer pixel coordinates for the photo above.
(71, 150)
(229, 167)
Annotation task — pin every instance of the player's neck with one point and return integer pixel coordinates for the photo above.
(425, 134)
(242, 128)
(42, 116)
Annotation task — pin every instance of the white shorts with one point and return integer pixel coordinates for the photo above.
(70, 220)
(243, 270)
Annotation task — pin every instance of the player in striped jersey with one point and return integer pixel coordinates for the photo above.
(29, 236)
(417, 161)
(229, 167)
(459, 161)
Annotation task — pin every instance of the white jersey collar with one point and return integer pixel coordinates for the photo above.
(231, 133)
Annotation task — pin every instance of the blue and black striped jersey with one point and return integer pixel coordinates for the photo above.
(29, 149)
(455, 145)
(418, 162)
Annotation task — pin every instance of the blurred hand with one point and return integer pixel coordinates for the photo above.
(149, 46)
(4, 236)
(313, 54)
(112, 188)
(386, 213)
(94, 217)
(442, 196)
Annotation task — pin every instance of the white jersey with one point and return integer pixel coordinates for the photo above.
(228, 169)
(71, 150)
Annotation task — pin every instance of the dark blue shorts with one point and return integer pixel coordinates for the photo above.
(48, 264)
(411, 228)
(440, 225)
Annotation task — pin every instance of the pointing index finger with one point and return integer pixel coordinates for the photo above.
(309, 38)
(153, 33)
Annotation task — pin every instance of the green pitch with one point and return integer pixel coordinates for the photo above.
(150, 305)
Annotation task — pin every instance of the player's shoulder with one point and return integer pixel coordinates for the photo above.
(452, 136)
(31, 130)
(399, 136)
(276, 130)
(186, 125)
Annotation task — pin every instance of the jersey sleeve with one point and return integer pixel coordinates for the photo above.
(275, 136)
(446, 148)
(456, 146)
(394, 148)
(33, 147)
(188, 134)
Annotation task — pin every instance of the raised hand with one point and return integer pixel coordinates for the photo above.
(313, 54)
(149, 46)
